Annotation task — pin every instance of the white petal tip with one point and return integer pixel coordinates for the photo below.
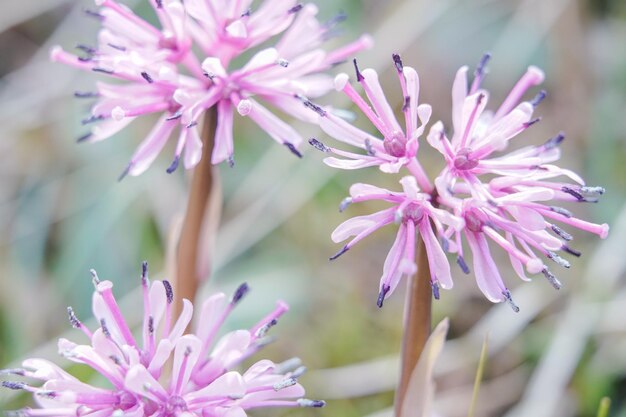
(118, 113)
(366, 41)
(605, 231)
(537, 75)
(534, 266)
(55, 52)
(244, 107)
(341, 80)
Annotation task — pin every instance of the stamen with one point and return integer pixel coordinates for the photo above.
(102, 70)
(247, 13)
(13, 385)
(538, 98)
(559, 260)
(295, 9)
(282, 62)
(338, 254)
(84, 137)
(573, 192)
(231, 161)
(334, 21)
(551, 278)
(317, 109)
(562, 233)
(105, 329)
(13, 371)
(368, 147)
(240, 293)
(304, 402)
(118, 47)
(293, 149)
(435, 288)
(73, 319)
(288, 365)
(192, 124)
(147, 77)
(265, 328)
(382, 294)
(94, 277)
(592, 190)
(94, 14)
(555, 141)
(319, 145)
(175, 116)
(159, 3)
(482, 65)
(151, 325)
(173, 165)
(344, 204)
(86, 49)
(397, 61)
(169, 292)
(359, 76)
(530, 123)
(509, 299)
(289, 382)
(92, 119)
(462, 264)
(571, 251)
(407, 103)
(445, 244)
(561, 211)
(86, 94)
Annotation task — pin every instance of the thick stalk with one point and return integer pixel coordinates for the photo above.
(203, 186)
(417, 322)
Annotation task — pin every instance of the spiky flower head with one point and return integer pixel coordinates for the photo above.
(183, 68)
(513, 200)
(165, 371)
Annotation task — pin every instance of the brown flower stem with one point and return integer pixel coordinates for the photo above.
(417, 321)
(203, 186)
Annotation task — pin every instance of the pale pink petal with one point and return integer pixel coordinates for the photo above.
(224, 133)
(485, 270)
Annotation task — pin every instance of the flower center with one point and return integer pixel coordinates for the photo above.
(174, 404)
(473, 222)
(414, 212)
(395, 145)
(464, 161)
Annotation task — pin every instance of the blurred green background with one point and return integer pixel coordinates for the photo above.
(62, 212)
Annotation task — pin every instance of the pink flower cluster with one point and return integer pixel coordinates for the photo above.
(185, 67)
(482, 195)
(166, 371)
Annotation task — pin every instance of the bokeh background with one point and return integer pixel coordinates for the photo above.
(62, 212)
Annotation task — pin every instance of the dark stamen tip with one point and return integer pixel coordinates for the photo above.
(151, 325)
(86, 94)
(345, 203)
(192, 124)
(241, 291)
(319, 145)
(169, 292)
(435, 289)
(304, 402)
(295, 9)
(338, 254)
(144, 270)
(92, 119)
(381, 295)
(526, 125)
(102, 70)
(316, 108)
(293, 149)
(359, 76)
(538, 98)
(175, 116)
(407, 103)
(552, 279)
(231, 161)
(397, 61)
(555, 141)
(509, 299)
(571, 251)
(482, 64)
(13, 385)
(147, 77)
(462, 264)
(94, 14)
(159, 3)
(573, 193)
(173, 165)
(73, 319)
(125, 172)
(84, 137)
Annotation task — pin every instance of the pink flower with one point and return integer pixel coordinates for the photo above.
(479, 133)
(397, 147)
(414, 213)
(164, 372)
(164, 76)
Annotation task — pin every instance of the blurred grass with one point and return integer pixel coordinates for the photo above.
(63, 212)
